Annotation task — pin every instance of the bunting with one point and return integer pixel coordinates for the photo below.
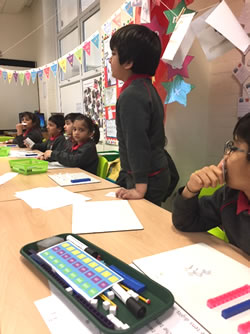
(44, 71)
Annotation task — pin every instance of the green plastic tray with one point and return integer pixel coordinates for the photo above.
(5, 138)
(161, 298)
(110, 155)
(4, 151)
(28, 166)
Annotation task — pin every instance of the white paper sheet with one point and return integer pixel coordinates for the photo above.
(177, 36)
(6, 177)
(23, 154)
(104, 216)
(183, 50)
(62, 317)
(195, 274)
(55, 165)
(212, 43)
(223, 20)
(49, 198)
(65, 179)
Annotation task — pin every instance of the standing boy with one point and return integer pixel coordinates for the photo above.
(229, 207)
(136, 53)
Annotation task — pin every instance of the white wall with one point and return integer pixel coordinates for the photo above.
(14, 98)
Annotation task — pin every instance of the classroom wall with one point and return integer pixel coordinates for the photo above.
(45, 42)
(14, 98)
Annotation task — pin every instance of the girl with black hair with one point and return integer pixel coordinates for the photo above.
(28, 128)
(83, 153)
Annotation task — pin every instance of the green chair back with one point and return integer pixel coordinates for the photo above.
(216, 231)
(102, 168)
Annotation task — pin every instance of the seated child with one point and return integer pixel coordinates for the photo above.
(68, 128)
(28, 128)
(229, 206)
(56, 140)
(83, 153)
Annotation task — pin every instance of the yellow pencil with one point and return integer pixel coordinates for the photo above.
(106, 298)
(145, 300)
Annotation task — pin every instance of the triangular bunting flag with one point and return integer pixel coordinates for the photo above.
(15, 74)
(46, 71)
(21, 77)
(28, 76)
(70, 59)
(54, 69)
(10, 74)
(107, 28)
(62, 64)
(33, 76)
(95, 40)
(40, 74)
(78, 55)
(4, 75)
(86, 47)
(128, 8)
(117, 19)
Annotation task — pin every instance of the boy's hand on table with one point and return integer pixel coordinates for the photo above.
(47, 154)
(135, 193)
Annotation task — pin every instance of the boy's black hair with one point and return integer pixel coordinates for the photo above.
(138, 44)
(35, 119)
(242, 131)
(91, 125)
(71, 116)
(58, 120)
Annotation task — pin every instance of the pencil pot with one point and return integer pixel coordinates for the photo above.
(4, 151)
(28, 166)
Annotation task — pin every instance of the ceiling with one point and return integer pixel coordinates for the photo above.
(13, 6)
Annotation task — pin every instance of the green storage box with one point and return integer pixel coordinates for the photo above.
(5, 138)
(110, 155)
(4, 151)
(28, 166)
(161, 298)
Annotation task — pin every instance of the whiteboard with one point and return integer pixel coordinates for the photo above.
(15, 98)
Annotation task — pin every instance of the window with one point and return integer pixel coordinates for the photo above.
(92, 61)
(66, 44)
(67, 11)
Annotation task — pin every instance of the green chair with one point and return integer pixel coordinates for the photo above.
(216, 231)
(102, 168)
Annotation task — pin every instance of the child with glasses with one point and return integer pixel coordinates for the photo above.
(229, 206)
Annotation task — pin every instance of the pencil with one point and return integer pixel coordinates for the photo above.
(145, 300)
(106, 298)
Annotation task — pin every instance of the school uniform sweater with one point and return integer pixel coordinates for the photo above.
(34, 134)
(226, 208)
(53, 143)
(140, 130)
(83, 156)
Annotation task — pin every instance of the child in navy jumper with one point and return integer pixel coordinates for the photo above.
(229, 206)
(28, 128)
(83, 153)
(56, 139)
(136, 53)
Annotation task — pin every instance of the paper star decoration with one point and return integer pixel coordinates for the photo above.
(181, 71)
(155, 26)
(173, 15)
(177, 90)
